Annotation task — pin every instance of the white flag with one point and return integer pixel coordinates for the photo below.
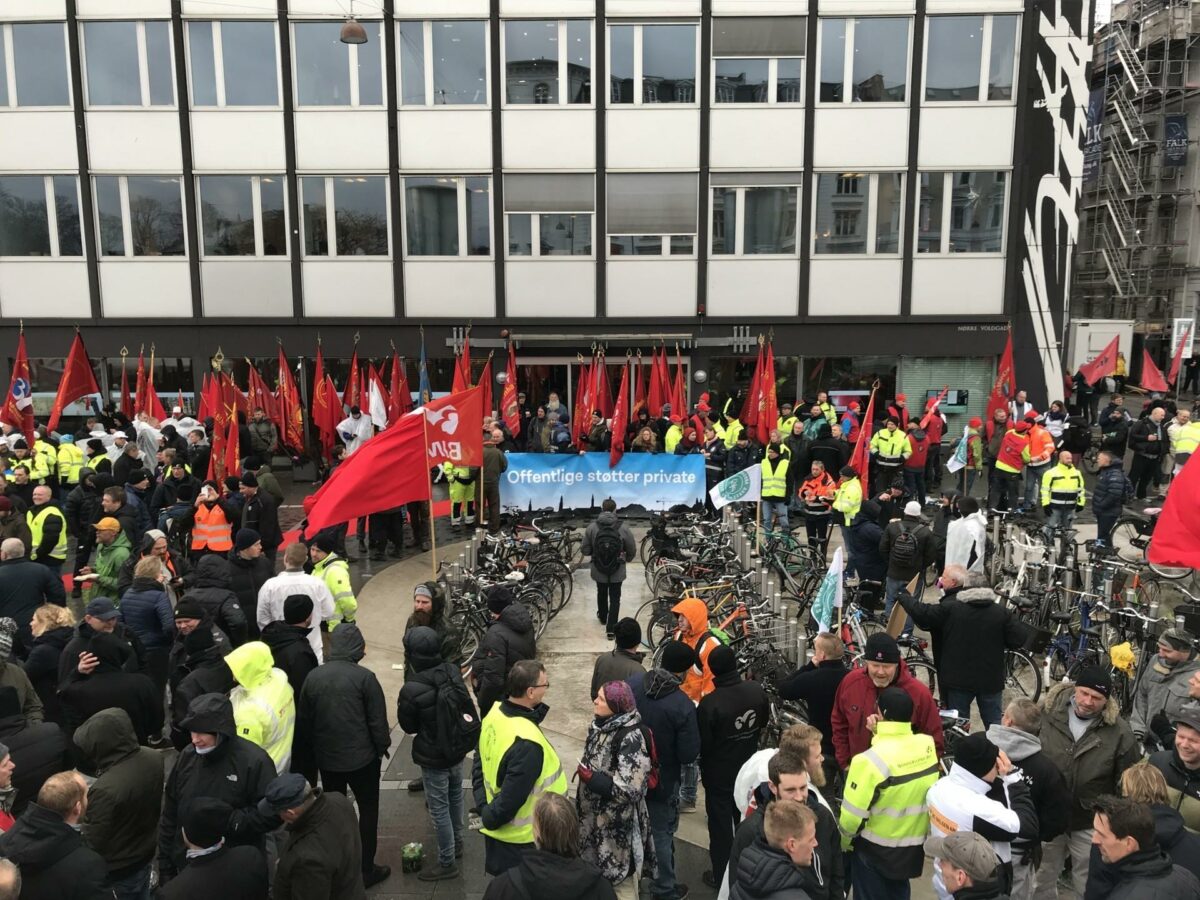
(829, 595)
(959, 459)
(744, 485)
(377, 405)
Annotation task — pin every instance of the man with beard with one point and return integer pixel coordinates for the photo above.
(429, 611)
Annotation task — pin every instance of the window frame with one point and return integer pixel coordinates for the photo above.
(256, 207)
(331, 218)
(638, 65)
(219, 67)
(9, 73)
(427, 62)
(127, 219)
(848, 65)
(464, 225)
(563, 64)
(947, 225)
(52, 218)
(985, 59)
(872, 224)
(143, 64)
(351, 61)
(535, 231)
(739, 211)
(772, 73)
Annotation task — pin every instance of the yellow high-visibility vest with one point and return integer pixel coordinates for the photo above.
(497, 734)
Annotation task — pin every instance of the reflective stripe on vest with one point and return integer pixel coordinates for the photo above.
(498, 733)
(37, 524)
(774, 483)
(890, 447)
(70, 461)
(332, 570)
(276, 704)
(211, 529)
(886, 787)
(1061, 487)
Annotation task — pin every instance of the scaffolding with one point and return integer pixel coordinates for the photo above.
(1139, 244)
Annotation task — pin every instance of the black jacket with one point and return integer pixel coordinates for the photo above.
(416, 707)
(211, 590)
(508, 640)
(1181, 845)
(167, 492)
(292, 652)
(817, 684)
(341, 713)
(108, 686)
(55, 864)
(926, 548)
(730, 719)
(863, 547)
(974, 631)
(1139, 438)
(259, 513)
(82, 506)
(41, 667)
(322, 856)
(201, 673)
(121, 823)
(179, 659)
(246, 576)
(1047, 787)
(231, 873)
(235, 771)
(825, 879)
(516, 774)
(1183, 784)
(134, 656)
(24, 586)
(448, 636)
(764, 872)
(1111, 490)
(741, 458)
(38, 750)
(545, 876)
(830, 451)
(671, 717)
(616, 665)
(1150, 875)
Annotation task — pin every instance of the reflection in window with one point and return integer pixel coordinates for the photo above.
(66, 207)
(412, 63)
(315, 217)
(531, 61)
(227, 205)
(111, 50)
(620, 49)
(758, 59)
(977, 204)
(668, 64)
(833, 59)
(770, 220)
(651, 214)
(158, 63)
(955, 51)
(360, 216)
(1002, 58)
(459, 73)
(24, 225)
(724, 219)
(889, 200)
(433, 226)
(789, 80)
(323, 65)
(520, 234)
(579, 61)
(109, 215)
(929, 213)
(479, 217)
(741, 80)
(39, 65)
(155, 216)
(3, 68)
(244, 53)
(846, 203)
(565, 234)
(880, 70)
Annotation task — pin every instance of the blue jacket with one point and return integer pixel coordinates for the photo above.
(863, 539)
(671, 717)
(1111, 491)
(146, 612)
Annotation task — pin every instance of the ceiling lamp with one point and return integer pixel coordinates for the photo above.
(352, 30)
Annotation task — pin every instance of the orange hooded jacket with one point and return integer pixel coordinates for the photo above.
(699, 681)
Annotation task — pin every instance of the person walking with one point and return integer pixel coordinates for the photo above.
(909, 547)
(610, 544)
(292, 581)
(321, 858)
(1148, 441)
(342, 716)
(508, 639)
(1123, 830)
(624, 660)
(214, 868)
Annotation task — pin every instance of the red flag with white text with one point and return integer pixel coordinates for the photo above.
(17, 410)
(1005, 386)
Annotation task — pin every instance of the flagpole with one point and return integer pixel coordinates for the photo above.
(429, 494)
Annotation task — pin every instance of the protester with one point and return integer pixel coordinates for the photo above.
(610, 545)
(210, 588)
(113, 546)
(24, 586)
(264, 706)
(249, 570)
(146, 611)
(508, 639)
(624, 660)
(292, 581)
(100, 616)
(816, 683)
(214, 867)
(290, 650)
(52, 628)
(967, 865)
(1180, 765)
(34, 751)
(1124, 833)
(201, 670)
(1162, 691)
(773, 866)
(966, 537)
(100, 683)
(321, 857)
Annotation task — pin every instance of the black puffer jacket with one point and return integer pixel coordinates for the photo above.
(547, 876)
(341, 713)
(1140, 434)
(730, 718)
(41, 667)
(109, 686)
(416, 707)
(146, 611)
(764, 872)
(200, 673)
(246, 576)
(1181, 845)
(211, 589)
(292, 652)
(235, 771)
(55, 864)
(38, 750)
(134, 657)
(1111, 490)
(1150, 875)
(82, 506)
(177, 662)
(508, 640)
(863, 548)
(826, 877)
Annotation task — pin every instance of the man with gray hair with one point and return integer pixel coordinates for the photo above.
(24, 586)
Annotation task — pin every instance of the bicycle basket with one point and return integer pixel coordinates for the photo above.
(1190, 612)
(1034, 640)
(870, 596)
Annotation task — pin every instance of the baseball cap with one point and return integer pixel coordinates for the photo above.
(102, 608)
(285, 792)
(108, 523)
(965, 850)
(1189, 716)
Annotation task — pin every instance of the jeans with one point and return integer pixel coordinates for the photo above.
(772, 509)
(1054, 854)
(991, 706)
(664, 822)
(608, 603)
(1024, 878)
(365, 784)
(1105, 523)
(444, 797)
(871, 884)
(893, 586)
(689, 778)
(135, 886)
(1057, 516)
(914, 484)
(723, 818)
(1033, 484)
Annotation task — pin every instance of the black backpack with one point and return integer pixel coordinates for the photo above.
(652, 778)
(457, 720)
(906, 549)
(608, 550)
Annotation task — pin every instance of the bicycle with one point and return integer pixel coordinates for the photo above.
(1131, 538)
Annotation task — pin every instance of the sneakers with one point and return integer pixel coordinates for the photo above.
(687, 806)
(416, 785)
(438, 873)
(681, 893)
(376, 875)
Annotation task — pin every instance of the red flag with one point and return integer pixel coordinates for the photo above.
(620, 419)
(485, 382)
(353, 393)
(768, 410)
(393, 467)
(462, 369)
(604, 399)
(679, 390)
(399, 395)
(233, 460)
(583, 402)
(126, 398)
(153, 403)
(216, 455)
(259, 396)
(139, 397)
(318, 370)
(749, 413)
(656, 398)
(1102, 365)
(233, 401)
(291, 413)
(639, 397)
(179, 402)
(1005, 386)
(376, 396)
(17, 410)
(1184, 340)
(1152, 378)
(664, 379)
(1176, 540)
(860, 459)
(78, 380)
(202, 408)
(509, 411)
(326, 413)
(932, 409)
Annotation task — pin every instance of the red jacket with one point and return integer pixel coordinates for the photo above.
(920, 452)
(855, 700)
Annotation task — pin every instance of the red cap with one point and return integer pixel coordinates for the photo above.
(675, 420)
(1031, 416)
(901, 398)
(976, 422)
(1022, 426)
(854, 405)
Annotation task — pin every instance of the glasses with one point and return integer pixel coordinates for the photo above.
(546, 685)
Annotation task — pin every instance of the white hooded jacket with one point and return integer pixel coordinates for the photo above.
(959, 802)
(966, 542)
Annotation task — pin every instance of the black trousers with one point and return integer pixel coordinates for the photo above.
(818, 532)
(364, 783)
(418, 521)
(1142, 472)
(723, 818)
(608, 603)
(491, 496)
(1191, 380)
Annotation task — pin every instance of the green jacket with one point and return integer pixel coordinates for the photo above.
(108, 562)
(270, 484)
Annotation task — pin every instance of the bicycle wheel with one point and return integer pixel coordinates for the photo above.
(1022, 675)
(1091, 460)
(468, 636)
(925, 673)
(662, 627)
(1127, 539)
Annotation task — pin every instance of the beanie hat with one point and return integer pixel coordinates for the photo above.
(912, 508)
(188, 608)
(249, 479)
(881, 647)
(895, 704)
(976, 422)
(19, 444)
(1176, 639)
(324, 542)
(627, 633)
(848, 472)
(1092, 677)
(619, 697)
(422, 590)
(678, 657)
(976, 754)
(245, 539)
(722, 661)
(297, 608)
(499, 597)
(205, 821)
(185, 493)
(5, 504)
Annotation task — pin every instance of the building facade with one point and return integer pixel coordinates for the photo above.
(886, 185)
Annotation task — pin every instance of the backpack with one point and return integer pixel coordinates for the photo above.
(652, 750)
(457, 720)
(906, 549)
(608, 550)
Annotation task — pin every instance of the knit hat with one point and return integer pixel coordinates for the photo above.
(297, 608)
(976, 754)
(627, 633)
(249, 479)
(881, 647)
(499, 597)
(1096, 679)
(3, 752)
(245, 539)
(619, 697)
(678, 657)
(912, 508)
(205, 821)
(189, 609)
(19, 444)
(1176, 639)
(895, 704)
(325, 542)
(8, 629)
(722, 661)
(422, 590)
(1031, 416)
(975, 422)
(901, 398)
(137, 476)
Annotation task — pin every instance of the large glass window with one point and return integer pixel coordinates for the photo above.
(651, 214)
(557, 209)
(345, 215)
(39, 74)
(548, 61)
(447, 216)
(765, 207)
(24, 223)
(758, 60)
(140, 215)
(233, 63)
(962, 212)
(330, 73)
(443, 63)
(668, 63)
(128, 63)
(876, 68)
(242, 215)
(970, 58)
(857, 212)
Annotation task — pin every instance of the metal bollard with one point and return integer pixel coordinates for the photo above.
(800, 647)
(763, 588)
(1069, 583)
(774, 599)
(1087, 577)
(744, 556)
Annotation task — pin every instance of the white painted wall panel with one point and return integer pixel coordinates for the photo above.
(329, 8)
(938, 285)
(659, 138)
(347, 288)
(38, 141)
(753, 287)
(652, 8)
(205, 9)
(124, 9)
(966, 137)
(246, 287)
(441, 9)
(138, 288)
(866, 7)
(546, 9)
(550, 288)
(760, 7)
(445, 140)
(650, 288)
(341, 140)
(237, 141)
(972, 6)
(142, 141)
(861, 136)
(440, 289)
(51, 288)
(32, 10)
(759, 139)
(547, 139)
(854, 286)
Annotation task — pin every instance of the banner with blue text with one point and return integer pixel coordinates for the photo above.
(582, 481)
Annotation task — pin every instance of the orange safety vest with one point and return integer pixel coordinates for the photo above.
(211, 529)
(1041, 446)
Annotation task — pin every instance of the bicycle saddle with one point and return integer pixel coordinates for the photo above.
(1091, 632)
(1060, 617)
